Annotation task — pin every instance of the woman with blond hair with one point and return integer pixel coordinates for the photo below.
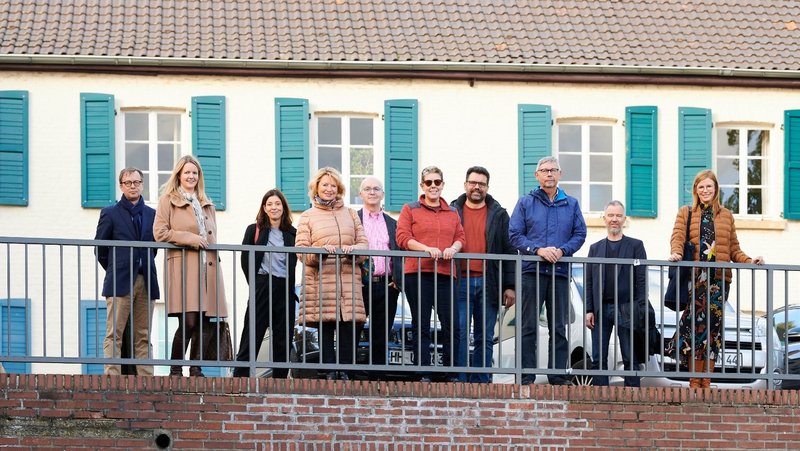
(195, 291)
(713, 233)
(331, 294)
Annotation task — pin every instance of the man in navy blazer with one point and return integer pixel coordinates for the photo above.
(609, 300)
(380, 300)
(128, 220)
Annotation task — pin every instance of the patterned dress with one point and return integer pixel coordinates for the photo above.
(698, 335)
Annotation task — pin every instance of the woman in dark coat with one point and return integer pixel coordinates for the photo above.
(274, 278)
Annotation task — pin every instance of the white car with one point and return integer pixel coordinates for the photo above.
(580, 341)
(744, 350)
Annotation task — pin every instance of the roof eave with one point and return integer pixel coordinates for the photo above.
(119, 62)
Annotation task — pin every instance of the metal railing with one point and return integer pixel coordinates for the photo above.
(53, 319)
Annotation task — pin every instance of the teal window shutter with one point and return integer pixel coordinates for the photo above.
(15, 327)
(98, 183)
(535, 129)
(694, 148)
(401, 147)
(291, 151)
(208, 144)
(13, 147)
(791, 154)
(641, 139)
(92, 333)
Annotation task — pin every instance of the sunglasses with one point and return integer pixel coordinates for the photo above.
(437, 182)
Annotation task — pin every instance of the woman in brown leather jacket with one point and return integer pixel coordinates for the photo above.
(713, 233)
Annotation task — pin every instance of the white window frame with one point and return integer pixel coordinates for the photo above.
(377, 147)
(617, 173)
(153, 186)
(766, 175)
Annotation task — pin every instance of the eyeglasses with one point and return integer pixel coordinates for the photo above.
(129, 183)
(549, 171)
(372, 189)
(473, 184)
(428, 183)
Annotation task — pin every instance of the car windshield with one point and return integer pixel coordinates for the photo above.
(787, 320)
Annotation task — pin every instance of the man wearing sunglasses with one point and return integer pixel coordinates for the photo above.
(548, 223)
(130, 282)
(485, 224)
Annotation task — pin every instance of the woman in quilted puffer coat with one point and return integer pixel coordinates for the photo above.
(331, 294)
(697, 341)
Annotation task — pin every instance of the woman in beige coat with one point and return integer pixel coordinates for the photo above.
(335, 304)
(186, 217)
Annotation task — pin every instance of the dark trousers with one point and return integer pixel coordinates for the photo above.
(618, 318)
(271, 311)
(380, 301)
(427, 292)
(553, 292)
(338, 336)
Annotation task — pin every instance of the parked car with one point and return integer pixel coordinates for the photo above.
(787, 328)
(744, 350)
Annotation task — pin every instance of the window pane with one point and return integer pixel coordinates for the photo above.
(330, 130)
(136, 126)
(754, 201)
(162, 179)
(573, 189)
(146, 186)
(727, 141)
(570, 167)
(754, 172)
(361, 161)
(600, 168)
(355, 184)
(136, 156)
(330, 156)
(599, 197)
(569, 138)
(361, 132)
(600, 138)
(166, 156)
(169, 127)
(756, 142)
(730, 199)
(728, 171)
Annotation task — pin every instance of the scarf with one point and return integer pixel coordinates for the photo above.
(325, 203)
(136, 211)
(198, 216)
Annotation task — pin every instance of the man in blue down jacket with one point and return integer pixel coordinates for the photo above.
(548, 223)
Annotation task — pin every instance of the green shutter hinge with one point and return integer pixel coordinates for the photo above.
(309, 116)
(382, 118)
(190, 113)
(115, 112)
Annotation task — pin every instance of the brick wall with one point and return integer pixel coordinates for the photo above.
(76, 411)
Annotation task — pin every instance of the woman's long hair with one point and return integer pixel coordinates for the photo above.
(702, 175)
(262, 218)
(174, 181)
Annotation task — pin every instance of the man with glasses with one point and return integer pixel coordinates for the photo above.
(383, 276)
(548, 223)
(485, 224)
(130, 283)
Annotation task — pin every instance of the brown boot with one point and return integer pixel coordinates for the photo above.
(698, 367)
(176, 371)
(695, 382)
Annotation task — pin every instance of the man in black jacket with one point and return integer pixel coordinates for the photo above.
(485, 223)
(609, 300)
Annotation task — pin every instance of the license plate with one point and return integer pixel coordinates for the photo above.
(400, 357)
(729, 359)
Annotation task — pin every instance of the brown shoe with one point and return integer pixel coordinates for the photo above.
(176, 371)
(195, 371)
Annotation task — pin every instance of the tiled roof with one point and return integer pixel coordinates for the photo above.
(720, 34)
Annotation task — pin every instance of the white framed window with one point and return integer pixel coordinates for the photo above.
(347, 143)
(741, 166)
(585, 154)
(151, 141)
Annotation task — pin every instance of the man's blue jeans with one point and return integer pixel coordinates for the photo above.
(471, 303)
(601, 334)
(537, 290)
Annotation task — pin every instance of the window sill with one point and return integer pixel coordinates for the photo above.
(761, 224)
(596, 222)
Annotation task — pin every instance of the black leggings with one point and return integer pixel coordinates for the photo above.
(190, 323)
